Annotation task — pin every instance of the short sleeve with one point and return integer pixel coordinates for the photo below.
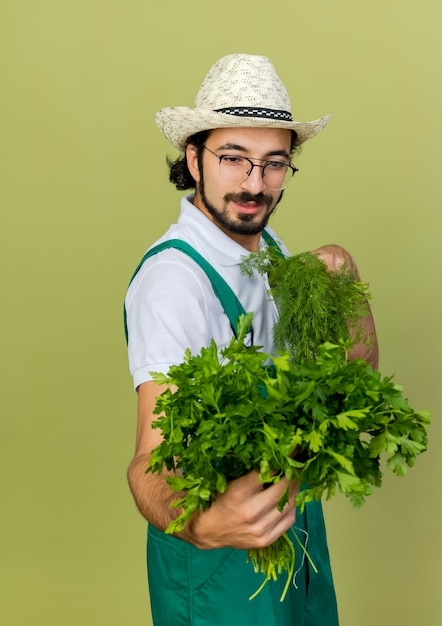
(170, 307)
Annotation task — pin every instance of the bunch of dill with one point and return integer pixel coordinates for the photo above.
(315, 305)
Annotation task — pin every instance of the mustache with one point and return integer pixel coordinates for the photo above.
(244, 197)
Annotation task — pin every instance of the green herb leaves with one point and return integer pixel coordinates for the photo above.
(324, 422)
(315, 305)
(314, 416)
(219, 425)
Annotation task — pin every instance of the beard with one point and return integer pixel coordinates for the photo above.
(243, 223)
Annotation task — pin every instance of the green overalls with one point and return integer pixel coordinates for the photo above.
(193, 587)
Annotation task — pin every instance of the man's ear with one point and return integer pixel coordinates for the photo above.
(192, 161)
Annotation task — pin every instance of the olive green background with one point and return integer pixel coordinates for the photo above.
(84, 191)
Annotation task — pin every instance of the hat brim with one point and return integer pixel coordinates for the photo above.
(179, 123)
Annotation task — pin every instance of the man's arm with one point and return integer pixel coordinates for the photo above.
(335, 256)
(243, 517)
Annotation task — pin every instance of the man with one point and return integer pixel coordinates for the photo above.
(237, 144)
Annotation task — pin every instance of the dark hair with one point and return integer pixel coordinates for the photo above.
(179, 173)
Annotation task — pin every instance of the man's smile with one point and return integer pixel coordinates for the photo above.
(248, 204)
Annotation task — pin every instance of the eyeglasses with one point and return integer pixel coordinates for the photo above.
(235, 169)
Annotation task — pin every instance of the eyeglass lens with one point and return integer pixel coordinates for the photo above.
(235, 169)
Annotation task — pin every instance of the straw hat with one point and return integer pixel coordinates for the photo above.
(240, 90)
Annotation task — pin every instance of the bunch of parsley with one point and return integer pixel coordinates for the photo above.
(324, 422)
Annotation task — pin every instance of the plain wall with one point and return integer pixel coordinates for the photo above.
(84, 191)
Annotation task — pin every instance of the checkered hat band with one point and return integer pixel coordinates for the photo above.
(257, 112)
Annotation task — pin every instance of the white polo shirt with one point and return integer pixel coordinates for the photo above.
(171, 305)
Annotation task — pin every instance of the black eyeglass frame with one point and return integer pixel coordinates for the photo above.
(266, 162)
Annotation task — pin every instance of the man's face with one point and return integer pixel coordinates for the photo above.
(242, 209)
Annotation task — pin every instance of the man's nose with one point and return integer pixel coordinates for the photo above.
(254, 182)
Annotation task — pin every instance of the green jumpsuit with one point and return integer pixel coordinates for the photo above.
(193, 587)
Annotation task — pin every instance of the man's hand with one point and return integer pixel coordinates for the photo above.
(245, 516)
(335, 256)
